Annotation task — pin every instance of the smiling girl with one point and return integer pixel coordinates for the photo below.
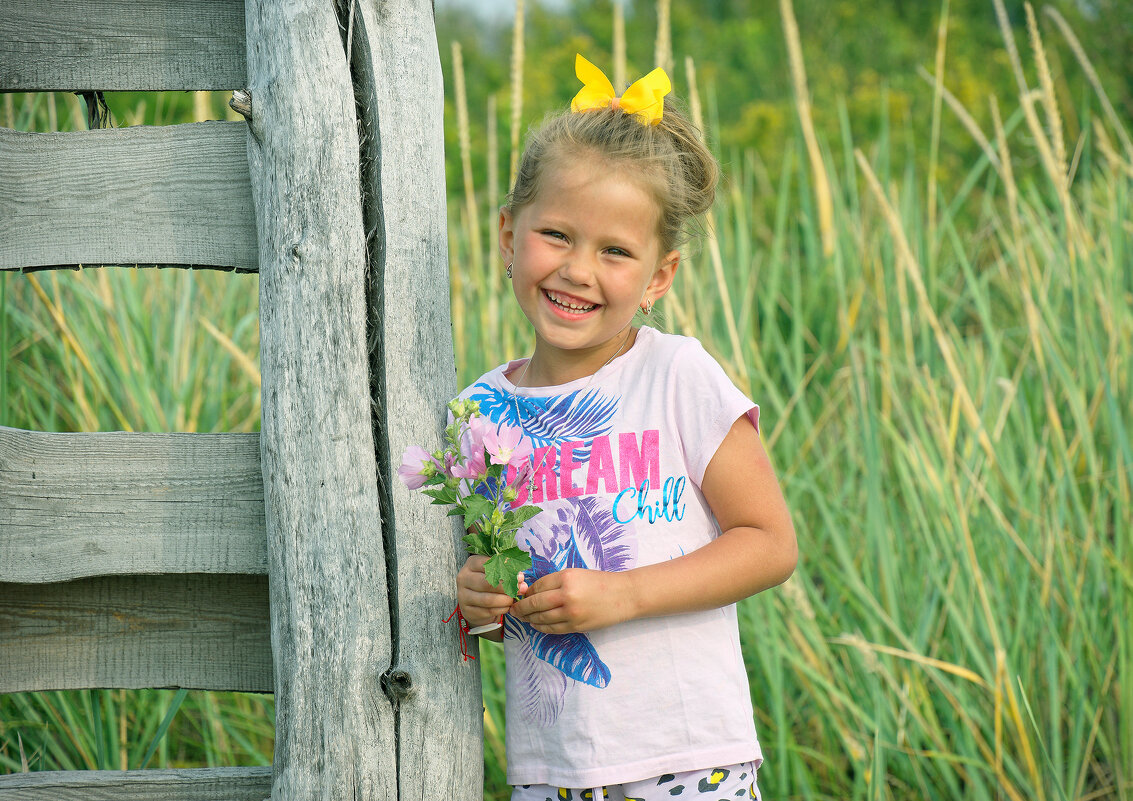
(660, 507)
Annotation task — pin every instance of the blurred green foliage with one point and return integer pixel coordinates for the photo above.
(862, 60)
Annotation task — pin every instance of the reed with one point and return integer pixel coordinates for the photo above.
(619, 46)
(663, 46)
(517, 51)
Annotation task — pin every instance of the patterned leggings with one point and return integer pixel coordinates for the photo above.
(715, 784)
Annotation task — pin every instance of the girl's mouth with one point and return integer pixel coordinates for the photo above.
(569, 304)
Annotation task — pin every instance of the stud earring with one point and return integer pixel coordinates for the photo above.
(509, 269)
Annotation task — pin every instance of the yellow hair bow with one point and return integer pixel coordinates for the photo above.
(644, 98)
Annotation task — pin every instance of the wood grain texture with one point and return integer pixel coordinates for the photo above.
(195, 784)
(398, 76)
(330, 608)
(122, 45)
(175, 195)
(77, 505)
(197, 631)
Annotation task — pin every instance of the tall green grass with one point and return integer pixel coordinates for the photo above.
(943, 367)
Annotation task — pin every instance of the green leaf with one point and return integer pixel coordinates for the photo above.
(475, 507)
(164, 727)
(523, 514)
(517, 517)
(502, 569)
(442, 495)
(476, 543)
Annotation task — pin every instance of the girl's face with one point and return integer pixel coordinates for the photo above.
(585, 256)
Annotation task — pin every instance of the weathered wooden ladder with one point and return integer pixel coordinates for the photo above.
(156, 560)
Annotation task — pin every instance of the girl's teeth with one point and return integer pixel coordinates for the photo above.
(568, 305)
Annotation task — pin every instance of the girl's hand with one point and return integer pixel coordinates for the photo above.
(575, 599)
(480, 602)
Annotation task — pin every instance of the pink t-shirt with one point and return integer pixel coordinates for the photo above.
(620, 456)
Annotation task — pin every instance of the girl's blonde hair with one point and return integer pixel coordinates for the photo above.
(669, 158)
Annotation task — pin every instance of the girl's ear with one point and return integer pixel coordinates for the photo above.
(663, 276)
(507, 235)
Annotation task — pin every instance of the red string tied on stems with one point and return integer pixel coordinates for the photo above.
(463, 627)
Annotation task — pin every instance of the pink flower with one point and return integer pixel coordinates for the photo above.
(472, 467)
(416, 466)
(523, 472)
(506, 445)
(472, 464)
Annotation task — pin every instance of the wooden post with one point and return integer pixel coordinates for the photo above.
(331, 641)
(398, 82)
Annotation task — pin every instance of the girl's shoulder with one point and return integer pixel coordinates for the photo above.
(683, 367)
(673, 351)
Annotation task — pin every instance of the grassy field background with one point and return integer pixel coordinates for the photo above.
(941, 350)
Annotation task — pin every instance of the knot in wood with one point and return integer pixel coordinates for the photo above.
(241, 103)
(397, 683)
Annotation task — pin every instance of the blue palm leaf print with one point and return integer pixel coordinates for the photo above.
(541, 689)
(572, 654)
(585, 535)
(540, 566)
(495, 404)
(574, 417)
(598, 540)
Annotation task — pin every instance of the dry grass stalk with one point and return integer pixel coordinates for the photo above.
(1032, 282)
(934, 146)
(737, 369)
(78, 119)
(472, 215)
(1012, 50)
(814, 152)
(493, 190)
(456, 276)
(1058, 166)
(1046, 153)
(1105, 145)
(492, 273)
(1007, 173)
(9, 112)
(243, 361)
(619, 47)
(694, 106)
(52, 117)
(908, 261)
(202, 106)
(869, 651)
(965, 118)
(1046, 83)
(1091, 76)
(516, 88)
(663, 49)
(55, 310)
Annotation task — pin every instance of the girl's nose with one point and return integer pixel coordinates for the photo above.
(577, 270)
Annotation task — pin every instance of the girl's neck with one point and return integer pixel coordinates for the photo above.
(549, 367)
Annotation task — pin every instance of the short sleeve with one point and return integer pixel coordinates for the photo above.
(706, 404)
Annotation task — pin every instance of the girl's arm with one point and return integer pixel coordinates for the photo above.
(756, 550)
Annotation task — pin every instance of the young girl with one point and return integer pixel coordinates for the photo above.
(660, 509)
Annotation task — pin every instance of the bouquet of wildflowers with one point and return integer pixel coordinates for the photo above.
(471, 474)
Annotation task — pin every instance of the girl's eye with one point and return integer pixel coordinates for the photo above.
(554, 234)
(617, 252)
